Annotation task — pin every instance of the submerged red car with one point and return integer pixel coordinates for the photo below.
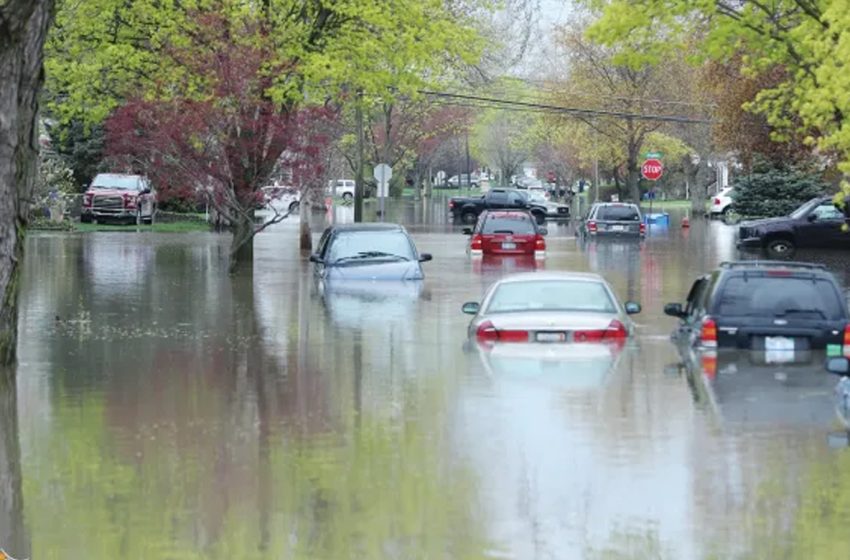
(507, 232)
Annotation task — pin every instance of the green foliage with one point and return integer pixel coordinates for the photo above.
(81, 147)
(810, 41)
(775, 191)
(103, 52)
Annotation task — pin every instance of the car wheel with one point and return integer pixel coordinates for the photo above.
(347, 197)
(293, 207)
(85, 218)
(540, 218)
(468, 218)
(780, 248)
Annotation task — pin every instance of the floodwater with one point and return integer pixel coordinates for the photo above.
(166, 410)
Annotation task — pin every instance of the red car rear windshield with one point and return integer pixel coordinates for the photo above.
(514, 224)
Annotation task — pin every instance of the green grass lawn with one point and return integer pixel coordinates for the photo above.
(163, 227)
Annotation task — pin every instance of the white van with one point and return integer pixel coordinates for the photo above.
(343, 188)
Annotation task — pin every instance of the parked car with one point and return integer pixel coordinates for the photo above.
(721, 203)
(841, 366)
(817, 224)
(554, 210)
(342, 188)
(613, 219)
(367, 251)
(119, 197)
(781, 312)
(464, 181)
(467, 210)
(551, 307)
(506, 232)
(281, 199)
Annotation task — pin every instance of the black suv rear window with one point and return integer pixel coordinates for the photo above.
(518, 224)
(788, 297)
(618, 213)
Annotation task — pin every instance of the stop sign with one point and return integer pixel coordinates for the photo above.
(652, 169)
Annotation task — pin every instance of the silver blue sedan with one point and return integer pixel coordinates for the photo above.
(551, 307)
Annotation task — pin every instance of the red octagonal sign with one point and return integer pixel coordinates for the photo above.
(652, 169)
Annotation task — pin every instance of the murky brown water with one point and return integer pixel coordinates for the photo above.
(167, 410)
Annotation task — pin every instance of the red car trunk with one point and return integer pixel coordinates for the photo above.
(508, 244)
(507, 233)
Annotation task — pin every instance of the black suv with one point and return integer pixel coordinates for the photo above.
(816, 224)
(778, 310)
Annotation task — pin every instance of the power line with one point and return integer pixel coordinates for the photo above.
(492, 102)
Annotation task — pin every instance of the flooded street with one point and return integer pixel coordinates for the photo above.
(168, 410)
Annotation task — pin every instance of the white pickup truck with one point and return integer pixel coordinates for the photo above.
(342, 188)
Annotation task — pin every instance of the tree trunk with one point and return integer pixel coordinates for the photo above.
(633, 177)
(242, 244)
(12, 531)
(692, 173)
(305, 237)
(23, 29)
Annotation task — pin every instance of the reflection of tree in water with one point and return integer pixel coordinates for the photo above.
(216, 448)
(12, 531)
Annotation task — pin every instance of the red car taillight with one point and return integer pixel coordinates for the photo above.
(642, 228)
(477, 242)
(592, 227)
(847, 341)
(539, 243)
(708, 333)
(616, 331)
(451, 204)
(486, 332)
(129, 200)
(87, 199)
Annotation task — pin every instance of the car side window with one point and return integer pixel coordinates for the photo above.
(498, 197)
(323, 243)
(827, 212)
(516, 199)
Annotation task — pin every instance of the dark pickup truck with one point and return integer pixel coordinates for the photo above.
(467, 210)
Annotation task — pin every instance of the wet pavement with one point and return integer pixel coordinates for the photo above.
(167, 410)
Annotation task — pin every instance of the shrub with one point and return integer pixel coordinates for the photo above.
(775, 191)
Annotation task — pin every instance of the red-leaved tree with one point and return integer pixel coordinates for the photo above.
(229, 141)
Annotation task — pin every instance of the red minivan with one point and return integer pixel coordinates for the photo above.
(507, 232)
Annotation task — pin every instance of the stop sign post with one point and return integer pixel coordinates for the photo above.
(383, 173)
(652, 169)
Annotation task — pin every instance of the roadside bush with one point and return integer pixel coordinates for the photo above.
(775, 191)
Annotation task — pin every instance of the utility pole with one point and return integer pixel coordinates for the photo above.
(468, 165)
(358, 180)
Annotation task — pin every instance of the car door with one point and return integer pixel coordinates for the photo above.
(821, 227)
(516, 200)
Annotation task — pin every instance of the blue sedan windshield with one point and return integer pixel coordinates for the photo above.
(370, 245)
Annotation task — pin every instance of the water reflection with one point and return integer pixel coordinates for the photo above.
(13, 533)
(167, 409)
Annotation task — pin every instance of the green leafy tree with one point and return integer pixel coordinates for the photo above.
(771, 190)
(809, 42)
(105, 53)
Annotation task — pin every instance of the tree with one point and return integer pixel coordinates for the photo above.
(23, 29)
(775, 190)
(618, 88)
(807, 41)
(108, 52)
(504, 138)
